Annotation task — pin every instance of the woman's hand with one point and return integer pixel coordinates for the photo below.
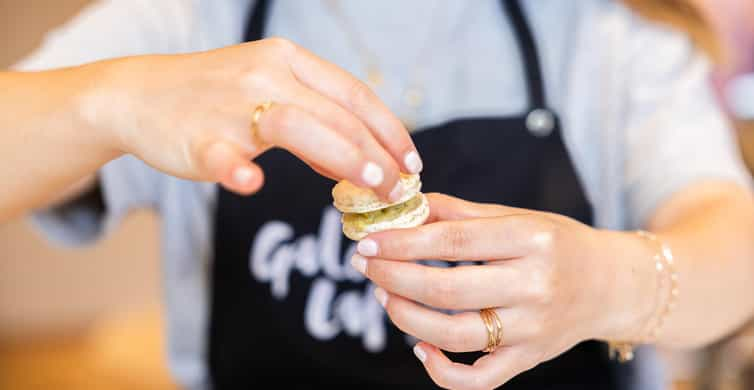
(552, 281)
(190, 116)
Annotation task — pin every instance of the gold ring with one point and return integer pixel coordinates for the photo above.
(494, 329)
(258, 111)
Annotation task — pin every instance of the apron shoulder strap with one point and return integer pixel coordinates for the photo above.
(528, 49)
(257, 21)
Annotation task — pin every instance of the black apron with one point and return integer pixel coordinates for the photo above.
(287, 308)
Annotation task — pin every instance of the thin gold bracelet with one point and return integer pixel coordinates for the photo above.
(667, 292)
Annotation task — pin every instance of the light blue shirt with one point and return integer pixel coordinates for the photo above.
(638, 116)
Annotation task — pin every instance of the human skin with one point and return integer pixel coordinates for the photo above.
(555, 282)
(189, 116)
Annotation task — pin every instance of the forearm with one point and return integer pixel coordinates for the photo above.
(48, 147)
(710, 233)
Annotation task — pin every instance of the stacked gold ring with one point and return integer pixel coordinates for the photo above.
(494, 329)
(258, 111)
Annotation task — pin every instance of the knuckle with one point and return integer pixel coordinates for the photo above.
(359, 94)
(447, 339)
(544, 241)
(380, 274)
(195, 156)
(283, 118)
(455, 339)
(548, 235)
(535, 328)
(542, 287)
(557, 232)
(352, 161)
(544, 237)
(200, 146)
(443, 292)
(453, 240)
(255, 80)
(361, 139)
(281, 46)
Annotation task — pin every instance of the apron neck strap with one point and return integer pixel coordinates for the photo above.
(528, 49)
(524, 39)
(257, 21)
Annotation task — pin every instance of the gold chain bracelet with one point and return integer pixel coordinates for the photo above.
(667, 297)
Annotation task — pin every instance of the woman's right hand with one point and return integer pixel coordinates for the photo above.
(190, 115)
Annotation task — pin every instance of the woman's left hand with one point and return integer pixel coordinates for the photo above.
(553, 282)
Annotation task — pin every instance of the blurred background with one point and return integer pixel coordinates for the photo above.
(91, 318)
(76, 319)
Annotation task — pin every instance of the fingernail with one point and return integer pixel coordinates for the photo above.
(372, 174)
(242, 175)
(420, 354)
(359, 262)
(397, 192)
(413, 162)
(367, 247)
(381, 296)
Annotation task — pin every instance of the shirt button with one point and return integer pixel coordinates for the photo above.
(540, 122)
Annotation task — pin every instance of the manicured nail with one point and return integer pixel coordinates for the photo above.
(381, 296)
(359, 262)
(420, 354)
(397, 192)
(242, 175)
(372, 174)
(413, 162)
(367, 247)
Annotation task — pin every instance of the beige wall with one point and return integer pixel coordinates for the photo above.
(22, 23)
(46, 289)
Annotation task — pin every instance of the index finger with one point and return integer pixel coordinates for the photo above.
(472, 239)
(352, 94)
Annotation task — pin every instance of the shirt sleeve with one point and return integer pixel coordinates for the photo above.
(676, 132)
(123, 185)
(108, 29)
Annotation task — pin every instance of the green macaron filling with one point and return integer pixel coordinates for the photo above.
(361, 220)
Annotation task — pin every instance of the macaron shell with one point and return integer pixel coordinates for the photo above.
(349, 198)
(415, 217)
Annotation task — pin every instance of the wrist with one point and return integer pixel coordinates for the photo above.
(101, 105)
(631, 286)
